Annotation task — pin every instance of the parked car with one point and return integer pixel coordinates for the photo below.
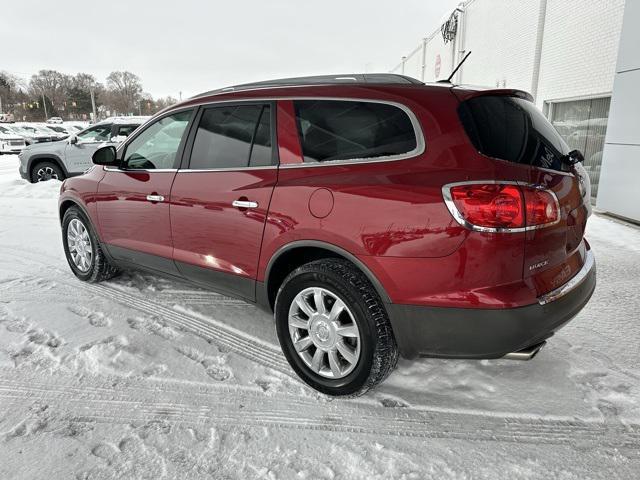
(10, 142)
(6, 118)
(74, 127)
(55, 120)
(59, 131)
(67, 158)
(375, 215)
(34, 133)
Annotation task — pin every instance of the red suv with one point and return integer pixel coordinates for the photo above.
(373, 214)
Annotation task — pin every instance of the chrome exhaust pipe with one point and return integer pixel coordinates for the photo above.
(526, 353)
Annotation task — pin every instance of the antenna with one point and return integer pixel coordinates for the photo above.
(448, 80)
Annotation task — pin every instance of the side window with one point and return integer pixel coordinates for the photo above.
(233, 137)
(98, 133)
(347, 130)
(157, 146)
(261, 153)
(125, 130)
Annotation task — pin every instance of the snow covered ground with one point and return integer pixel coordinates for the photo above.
(142, 377)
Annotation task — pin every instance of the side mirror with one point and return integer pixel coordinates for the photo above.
(73, 139)
(105, 156)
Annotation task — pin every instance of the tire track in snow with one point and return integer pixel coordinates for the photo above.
(246, 406)
(220, 333)
(224, 406)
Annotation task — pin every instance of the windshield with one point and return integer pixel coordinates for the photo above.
(20, 131)
(35, 130)
(96, 133)
(56, 129)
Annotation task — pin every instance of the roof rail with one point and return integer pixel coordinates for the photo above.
(350, 78)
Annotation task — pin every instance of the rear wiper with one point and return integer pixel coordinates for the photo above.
(573, 157)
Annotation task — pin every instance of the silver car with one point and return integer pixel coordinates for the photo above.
(10, 142)
(70, 157)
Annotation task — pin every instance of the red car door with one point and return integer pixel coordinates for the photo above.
(219, 202)
(133, 200)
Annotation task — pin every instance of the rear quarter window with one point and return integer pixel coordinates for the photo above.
(334, 130)
(513, 129)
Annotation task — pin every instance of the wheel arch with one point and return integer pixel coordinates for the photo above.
(67, 203)
(46, 157)
(290, 256)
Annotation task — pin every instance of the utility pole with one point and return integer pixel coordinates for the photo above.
(44, 103)
(180, 93)
(93, 106)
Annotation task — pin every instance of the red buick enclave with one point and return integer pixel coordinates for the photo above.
(373, 214)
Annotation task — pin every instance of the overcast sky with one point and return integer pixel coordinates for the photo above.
(194, 46)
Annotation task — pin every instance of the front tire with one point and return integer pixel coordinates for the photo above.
(333, 328)
(82, 248)
(45, 171)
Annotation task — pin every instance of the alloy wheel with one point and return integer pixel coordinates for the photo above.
(46, 173)
(79, 244)
(324, 333)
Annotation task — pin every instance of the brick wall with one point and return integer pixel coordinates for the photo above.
(579, 49)
(502, 36)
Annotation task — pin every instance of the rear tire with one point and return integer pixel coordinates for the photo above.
(82, 248)
(340, 354)
(45, 171)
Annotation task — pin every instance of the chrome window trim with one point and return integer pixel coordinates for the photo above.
(148, 170)
(229, 169)
(578, 278)
(417, 131)
(455, 213)
(415, 123)
(186, 170)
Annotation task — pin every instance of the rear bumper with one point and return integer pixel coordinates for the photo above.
(489, 333)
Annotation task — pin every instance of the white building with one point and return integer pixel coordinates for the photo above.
(621, 159)
(563, 52)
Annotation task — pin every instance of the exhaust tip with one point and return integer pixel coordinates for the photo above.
(526, 353)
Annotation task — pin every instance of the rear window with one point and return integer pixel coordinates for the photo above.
(332, 130)
(513, 129)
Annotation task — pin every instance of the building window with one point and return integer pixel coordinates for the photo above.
(583, 125)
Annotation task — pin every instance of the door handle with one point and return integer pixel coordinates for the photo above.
(244, 204)
(155, 198)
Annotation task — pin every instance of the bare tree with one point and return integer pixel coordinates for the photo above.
(125, 89)
(53, 85)
(79, 95)
(162, 103)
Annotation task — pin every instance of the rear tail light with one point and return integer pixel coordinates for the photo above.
(501, 207)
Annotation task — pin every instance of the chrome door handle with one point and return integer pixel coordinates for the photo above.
(155, 198)
(244, 204)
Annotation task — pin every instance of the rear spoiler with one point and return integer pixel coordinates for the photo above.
(466, 92)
